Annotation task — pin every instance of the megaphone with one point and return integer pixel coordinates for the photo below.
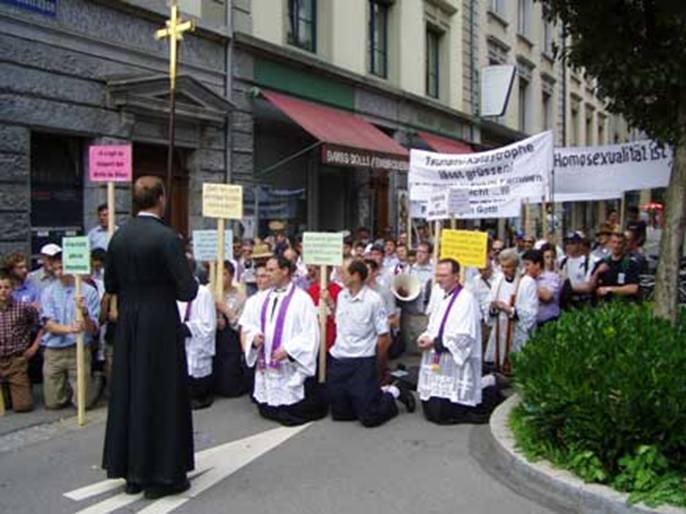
(406, 288)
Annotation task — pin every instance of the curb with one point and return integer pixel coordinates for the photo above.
(587, 498)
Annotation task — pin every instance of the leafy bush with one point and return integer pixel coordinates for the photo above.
(604, 394)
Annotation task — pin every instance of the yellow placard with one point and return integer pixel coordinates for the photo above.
(468, 247)
(222, 201)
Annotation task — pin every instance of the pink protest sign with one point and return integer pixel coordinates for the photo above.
(109, 163)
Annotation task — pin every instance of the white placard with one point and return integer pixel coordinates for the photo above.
(438, 206)
(458, 202)
(602, 172)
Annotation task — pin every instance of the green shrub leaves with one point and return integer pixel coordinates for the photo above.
(604, 395)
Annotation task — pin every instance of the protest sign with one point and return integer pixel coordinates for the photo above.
(76, 255)
(437, 208)
(109, 163)
(205, 245)
(323, 248)
(223, 201)
(602, 172)
(458, 202)
(495, 180)
(468, 247)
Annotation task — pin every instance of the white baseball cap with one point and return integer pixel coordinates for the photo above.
(50, 249)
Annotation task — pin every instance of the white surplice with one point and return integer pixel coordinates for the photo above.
(300, 339)
(200, 347)
(458, 375)
(526, 309)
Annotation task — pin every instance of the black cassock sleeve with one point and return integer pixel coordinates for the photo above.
(111, 279)
(179, 269)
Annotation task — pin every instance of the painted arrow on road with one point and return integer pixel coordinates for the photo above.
(212, 466)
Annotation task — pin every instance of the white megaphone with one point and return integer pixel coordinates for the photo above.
(406, 288)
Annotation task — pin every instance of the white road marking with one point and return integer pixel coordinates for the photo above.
(212, 466)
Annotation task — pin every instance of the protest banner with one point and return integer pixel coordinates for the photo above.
(76, 260)
(496, 180)
(221, 201)
(603, 172)
(468, 247)
(322, 249)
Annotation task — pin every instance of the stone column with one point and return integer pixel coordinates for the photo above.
(15, 189)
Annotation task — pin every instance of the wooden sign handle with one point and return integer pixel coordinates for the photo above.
(2, 401)
(80, 358)
(323, 285)
(219, 284)
(437, 242)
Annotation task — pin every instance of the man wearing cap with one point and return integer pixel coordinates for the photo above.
(576, 269)
(44, 276)
(602, 237)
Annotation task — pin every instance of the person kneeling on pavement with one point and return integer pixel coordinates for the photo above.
(353, 377)
(59, 304)
(450, 385)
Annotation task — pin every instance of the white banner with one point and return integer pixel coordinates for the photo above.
(602, 172)
(497, 180)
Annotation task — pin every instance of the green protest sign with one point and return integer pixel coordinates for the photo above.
(76, 255)
(323, 248)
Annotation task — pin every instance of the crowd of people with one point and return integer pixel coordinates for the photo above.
(520, 288)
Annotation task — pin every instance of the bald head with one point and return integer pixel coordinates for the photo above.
(148, 194)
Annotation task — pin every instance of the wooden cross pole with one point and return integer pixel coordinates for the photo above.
(174, 30)
(2, 401)
(80, 360)
(111, 216)
(323, 313)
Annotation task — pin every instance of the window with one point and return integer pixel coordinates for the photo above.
(498, 7)
(548, 38)
(523, 15)
(432, 58)
(523, 104)
(547, 111)
(589, 130)
(302, 24)
(378, 38)
(575, 127)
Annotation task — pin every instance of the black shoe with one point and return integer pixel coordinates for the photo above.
(406, 397)
(133, 488)
(160, 491)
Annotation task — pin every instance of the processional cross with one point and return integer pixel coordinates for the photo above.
(174, 30)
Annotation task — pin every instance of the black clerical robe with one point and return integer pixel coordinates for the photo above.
(149, 438)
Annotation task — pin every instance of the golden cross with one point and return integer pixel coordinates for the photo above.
(174, 31)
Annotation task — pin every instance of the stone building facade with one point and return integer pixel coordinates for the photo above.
(83, 72)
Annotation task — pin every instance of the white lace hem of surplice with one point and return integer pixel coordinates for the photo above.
(284, 386)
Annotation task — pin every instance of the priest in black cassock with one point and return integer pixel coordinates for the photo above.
(149, 439)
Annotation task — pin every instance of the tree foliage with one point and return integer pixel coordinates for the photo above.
(636, 49)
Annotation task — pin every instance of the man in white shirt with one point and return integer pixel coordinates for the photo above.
(199, 323)
(352, 378)
(98, 236)
(281, 337)
(450, 383)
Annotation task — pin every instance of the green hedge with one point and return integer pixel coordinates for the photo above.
(604, 394)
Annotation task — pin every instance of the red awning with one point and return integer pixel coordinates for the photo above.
(334, 126)
(444, 144)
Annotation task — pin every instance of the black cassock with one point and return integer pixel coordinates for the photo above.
(149, 437)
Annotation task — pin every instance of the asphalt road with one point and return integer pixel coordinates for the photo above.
(405, 466)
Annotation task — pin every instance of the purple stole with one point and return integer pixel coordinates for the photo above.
(435, 365)
(278, 328)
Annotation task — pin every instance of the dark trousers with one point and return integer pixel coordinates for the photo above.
(311, 408)
(200, 391)
(354, 393)
(444, 412)
(232, 377)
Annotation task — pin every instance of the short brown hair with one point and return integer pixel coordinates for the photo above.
(12, 260)
(147, 191)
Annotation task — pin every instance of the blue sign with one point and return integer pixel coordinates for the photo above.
(46, 7)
